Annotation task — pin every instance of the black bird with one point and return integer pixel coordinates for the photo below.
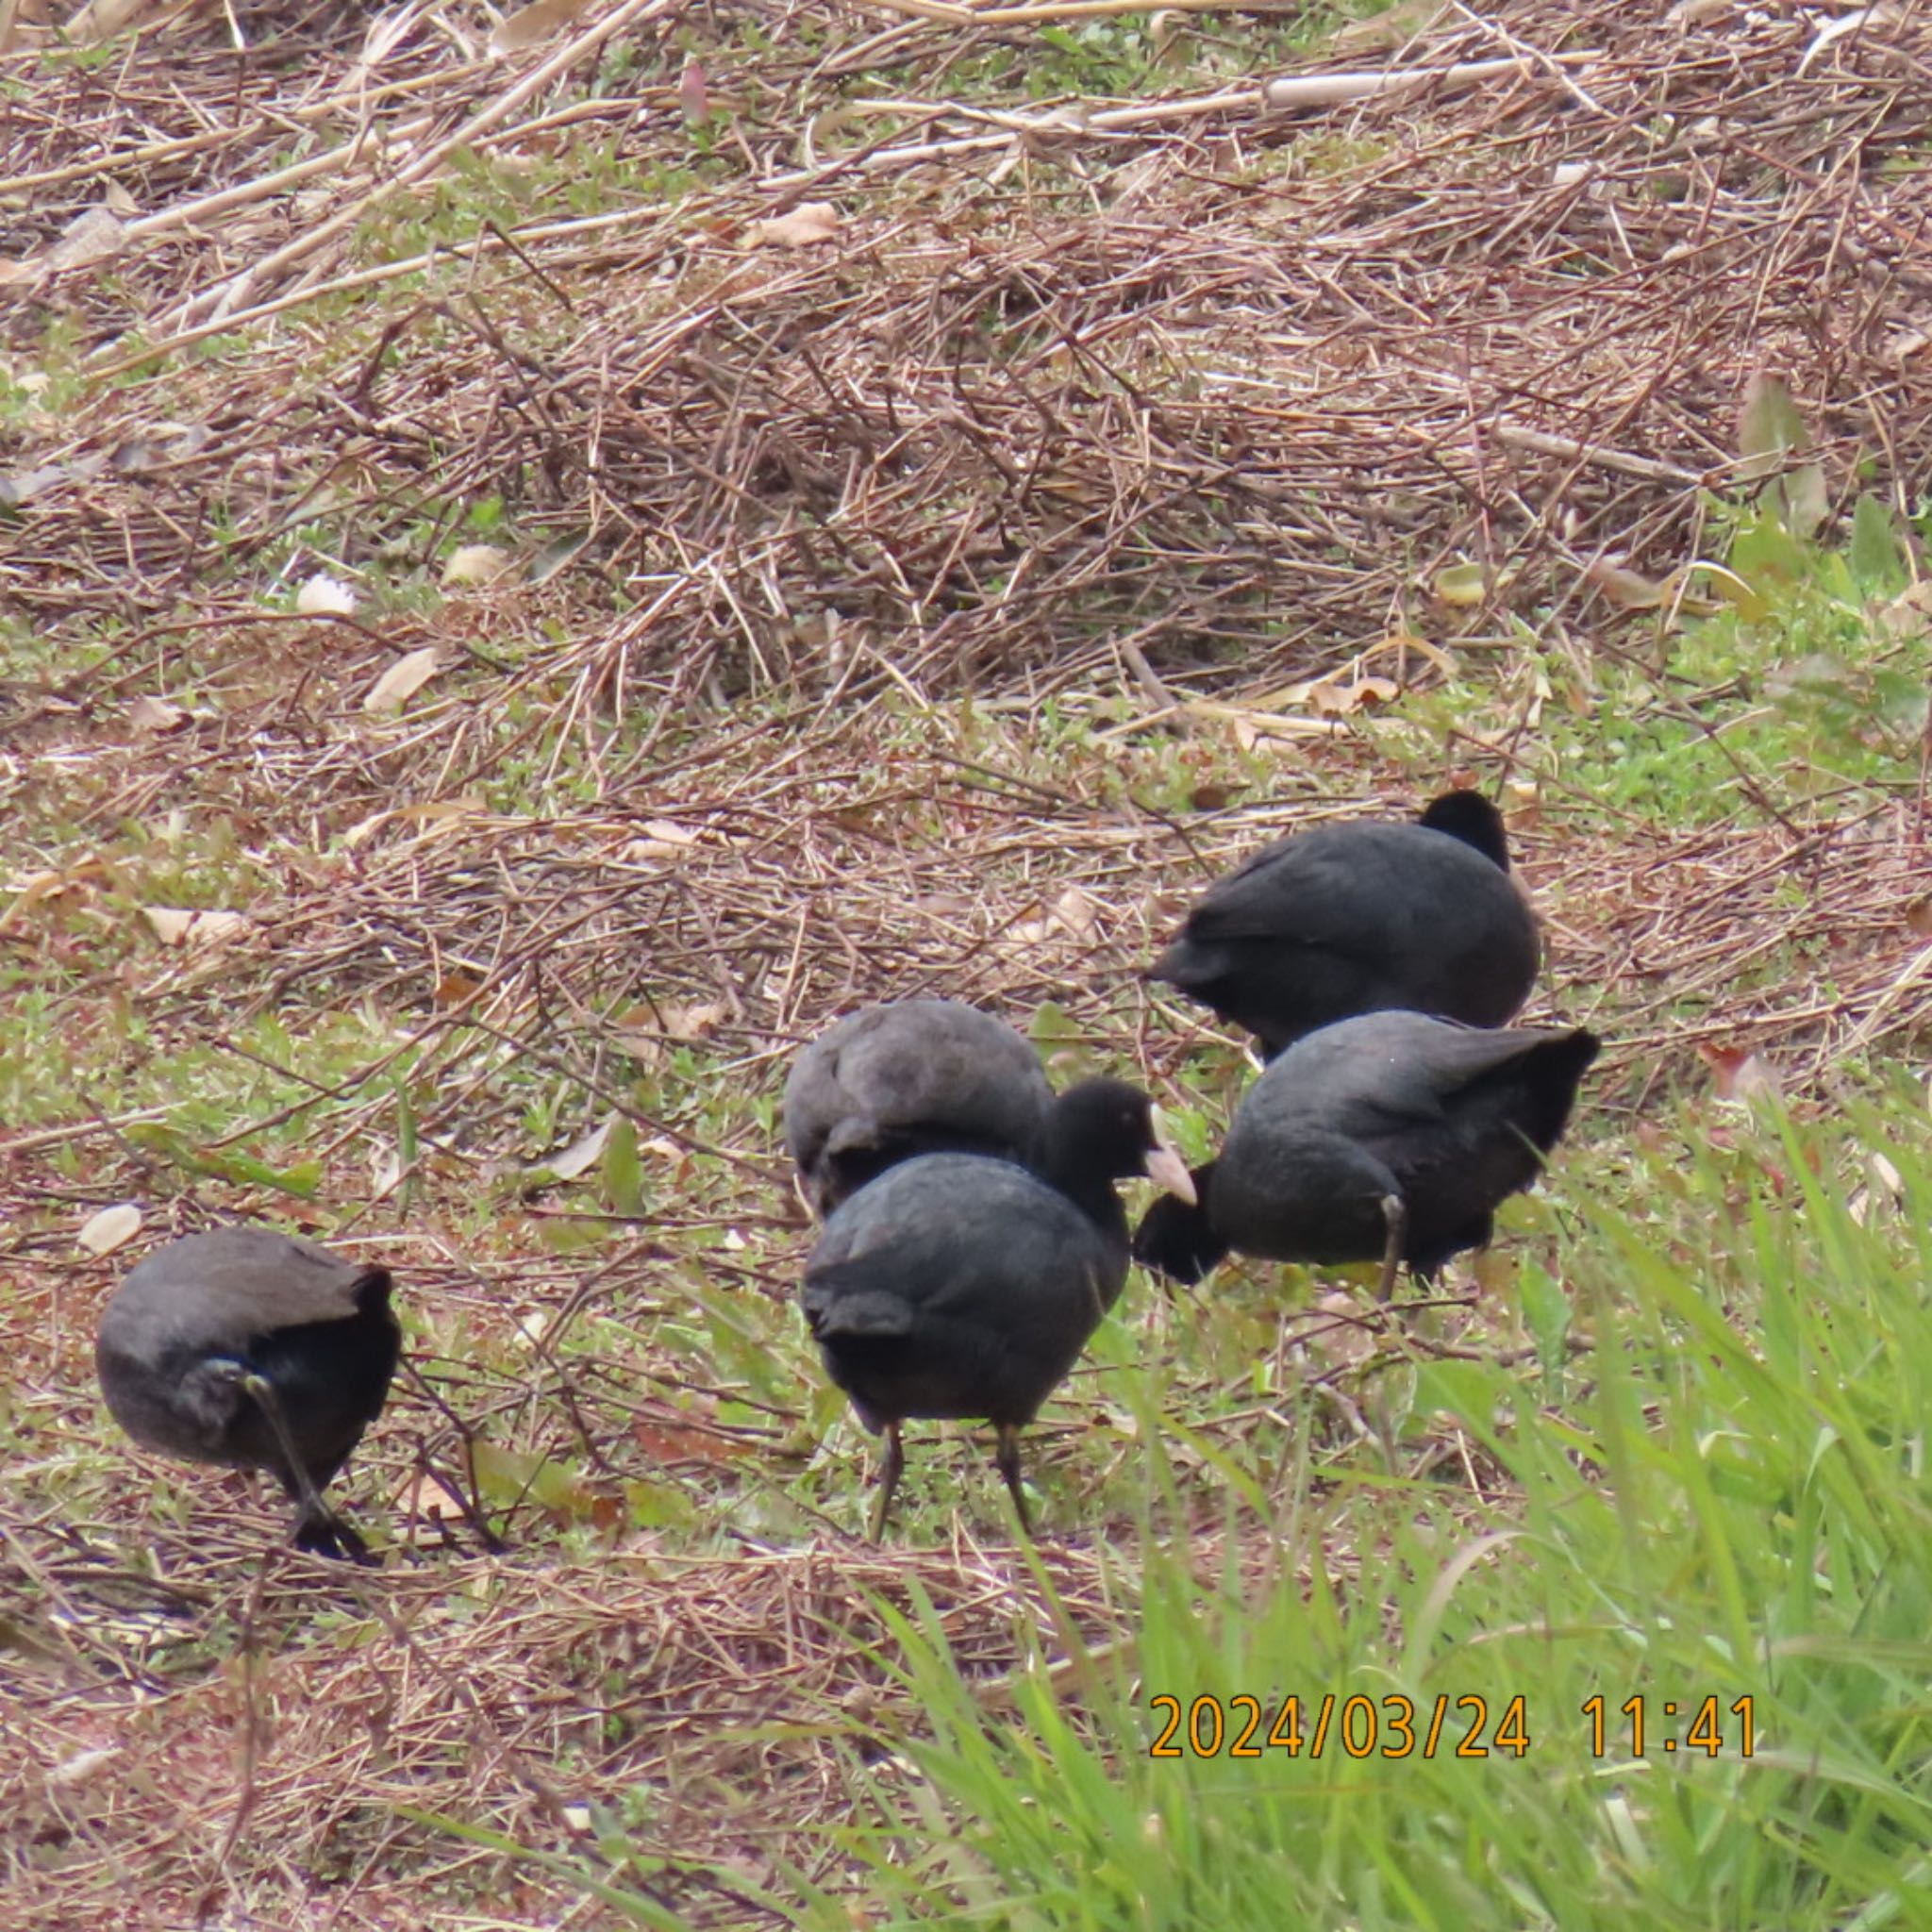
(258, 1350)
(906, 1077)
(1390, 1135)
(959, 1286)
(1361, 917)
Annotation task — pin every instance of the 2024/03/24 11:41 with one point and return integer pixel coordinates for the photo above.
(1394, 1726)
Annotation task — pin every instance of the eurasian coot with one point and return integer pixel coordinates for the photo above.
(1390, 1135)
(959, 1285)
(1360, 917)
(258, 1350)
(906, 1077)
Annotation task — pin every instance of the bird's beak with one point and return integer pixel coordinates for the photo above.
(1165, 1166)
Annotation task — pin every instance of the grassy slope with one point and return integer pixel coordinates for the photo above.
(1672, 1447)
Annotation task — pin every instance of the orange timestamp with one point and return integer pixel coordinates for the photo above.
(1357, 1727)
(1396, 1726)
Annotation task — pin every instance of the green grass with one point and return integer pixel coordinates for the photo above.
(1802, 693)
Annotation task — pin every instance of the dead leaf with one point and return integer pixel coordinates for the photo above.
(93, 235)
(1909, 614)
(1880, 16)
(1331, 1330)
(403, 680)
(1381, 32)
(1885, 1183)
(1625, 589)
(325, 596)
(109, 1229)
(83, 1766)
(693, 97)
(1464, 586)
(559, 551)
(163, 442)
(1400, 644)
(579, 1157)
(430, 1500)
(21, 486)
(1740, 1075)
(477, 563)
(668, 1441)
(176, 926)
(1072, 912)
(387, 32)
(100, 19)
(803, 227)
(455, 990)
(148, 715)
(690, 1023)
(1524, 804)
(537, 22)
(444, 813)
(38, 887)
(1248, 727)
(1329, 698)
(662, 838)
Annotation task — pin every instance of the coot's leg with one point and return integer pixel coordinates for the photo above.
(317, 1529)
(888, 1481)
(1005, 1456)
(328, 1534)
(1396, 1213)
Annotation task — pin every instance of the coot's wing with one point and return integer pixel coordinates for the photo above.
(949, 1068)
(1317, 889)
(917, 1068)
(1384, 1073)
(962, 1235)
(236, 1283)
(1356, 888)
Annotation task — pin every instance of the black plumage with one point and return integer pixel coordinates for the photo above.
(1362, 917)
(956, 1285)
(255, 1349)
(904, 1078)
(1390, 1135)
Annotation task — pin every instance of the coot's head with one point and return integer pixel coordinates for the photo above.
(1109, 1130)
(1471, 817)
